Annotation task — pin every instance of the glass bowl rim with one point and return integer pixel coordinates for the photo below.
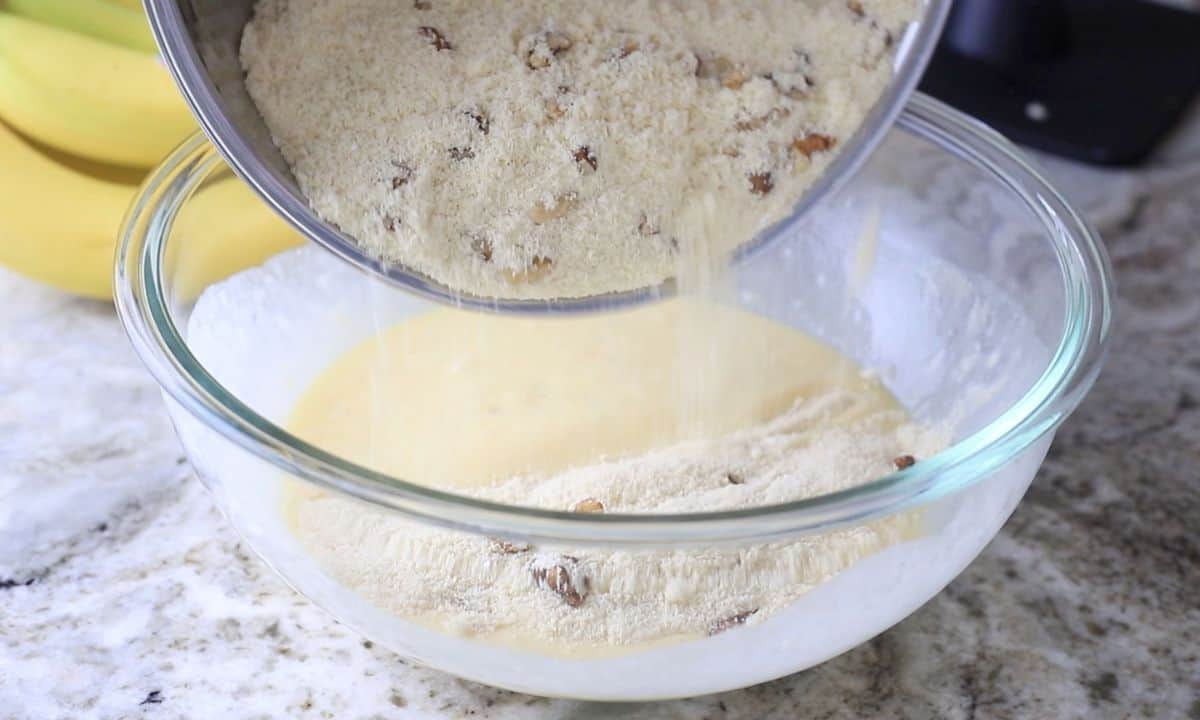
(144, 310)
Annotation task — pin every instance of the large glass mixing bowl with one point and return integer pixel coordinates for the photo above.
(947, 265)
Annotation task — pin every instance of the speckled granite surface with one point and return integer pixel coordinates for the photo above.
(124, 594)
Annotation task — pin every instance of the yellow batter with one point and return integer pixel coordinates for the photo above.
(461, 400)
(522, 410)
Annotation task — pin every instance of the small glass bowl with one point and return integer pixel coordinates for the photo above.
(948, 266)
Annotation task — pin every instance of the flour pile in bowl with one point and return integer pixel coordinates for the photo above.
(548, 148)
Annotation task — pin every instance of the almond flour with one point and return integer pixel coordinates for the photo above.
(548, 148)
(597, 603)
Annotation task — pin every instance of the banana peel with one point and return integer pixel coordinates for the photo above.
(59, 225)
(101, 19)
(87, 97)
(223, 229)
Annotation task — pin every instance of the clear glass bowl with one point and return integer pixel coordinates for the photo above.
(948, 265)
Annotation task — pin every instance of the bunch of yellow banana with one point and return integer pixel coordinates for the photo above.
(85, 109)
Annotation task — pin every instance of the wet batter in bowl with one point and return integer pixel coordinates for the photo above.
(682, 406)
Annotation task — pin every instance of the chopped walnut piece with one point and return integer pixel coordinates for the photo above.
(625, 49)
(730, 622)
(404, 173)
(435, 38)
(791, 90)
(904, 461)
(505, 547)
(558, 42)
(482, 247)
(761, 183)
(588, 505)
(735, 478)
(856, 7)
(585, 157)
(389, 223)
(813, 143)
(545, 47)
(422, 4)
(761, 121)
(540, 264)
(537, 269)
(554, 111)
(647, 228)
(734, 79)
(482, 121)
(564, 578)
(712, 67)
(459, 154)
(563, 204)
(722, 69)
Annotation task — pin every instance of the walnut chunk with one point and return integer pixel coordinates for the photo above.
(435, 38)
(482, 121)
(505, 547)
(538, 268)
(721, 69)
(626, 49)
(557, 107)
(856, 7)
(390, 223)
(458, 154)
(708, 68)
(554, 111)
(735, 478)
(558, 42)
(813, 143)
(731, 622)
(545, 47)
(563, 204)
(646, 228)
(791, 85)
(422, 4)
(762, 121)
(482, 246)
(761, 183)
(734, 79)
(404, 174)
(584, 157)
(565, 579)
(588, 505)
(904, 461)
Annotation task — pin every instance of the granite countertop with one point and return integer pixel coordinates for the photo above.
(125, 594)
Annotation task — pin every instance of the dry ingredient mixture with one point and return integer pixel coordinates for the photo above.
(548, 148)
(546, 413)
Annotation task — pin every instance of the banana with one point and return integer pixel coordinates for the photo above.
(112, 173)
(223, 229)
(99, 19)
(59, 225)
(56, 225)
(87, 97)
(130, 4)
